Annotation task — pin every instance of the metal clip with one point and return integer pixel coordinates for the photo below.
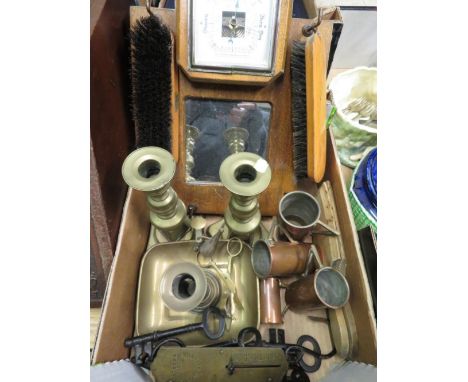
(148, 8)
(309, 30)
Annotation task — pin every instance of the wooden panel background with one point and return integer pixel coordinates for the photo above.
(213, 198)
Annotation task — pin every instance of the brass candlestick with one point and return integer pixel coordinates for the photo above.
(151, 170)
(236, 137)
(245, 175)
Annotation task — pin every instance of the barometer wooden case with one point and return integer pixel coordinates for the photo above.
(232, 93)
(240, 42)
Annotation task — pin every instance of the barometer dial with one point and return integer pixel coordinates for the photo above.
(233, 34)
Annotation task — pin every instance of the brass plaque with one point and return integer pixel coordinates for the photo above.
(219, 364)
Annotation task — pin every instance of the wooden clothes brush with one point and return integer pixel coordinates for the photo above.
(308, 74)
(154, 84)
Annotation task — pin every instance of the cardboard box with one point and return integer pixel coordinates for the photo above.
(118, 313)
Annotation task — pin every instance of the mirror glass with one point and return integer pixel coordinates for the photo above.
(216, 129)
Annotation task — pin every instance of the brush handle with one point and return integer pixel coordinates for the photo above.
(316, 94)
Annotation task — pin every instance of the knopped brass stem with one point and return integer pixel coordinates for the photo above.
(236, 137)
(151, 170)
(245, 175)
(243, 214)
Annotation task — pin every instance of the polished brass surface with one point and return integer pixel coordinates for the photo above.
(153, 314)
(219, 364)
(270, 301)
(151, 169)
(325, 288)
(226, 279)
(206, 250)
(245, 175)
(259, 233)
(158, 236)
(273, 259)
(236, 137)
(187, 287)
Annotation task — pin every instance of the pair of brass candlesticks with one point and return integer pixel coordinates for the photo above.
(245, 175)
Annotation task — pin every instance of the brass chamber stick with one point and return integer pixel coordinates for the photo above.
(175, 285)
(151, 170)
(245, 175)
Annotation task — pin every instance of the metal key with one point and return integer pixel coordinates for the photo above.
(162, 334)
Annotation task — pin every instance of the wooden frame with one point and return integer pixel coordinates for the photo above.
(183, 50)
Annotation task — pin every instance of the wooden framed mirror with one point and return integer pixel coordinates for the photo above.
(211, 197)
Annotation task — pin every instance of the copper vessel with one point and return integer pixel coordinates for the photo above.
(280, 258)
(325, 288)
(270, 301)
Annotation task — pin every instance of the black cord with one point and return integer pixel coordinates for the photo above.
(318, 355)
(160, 344)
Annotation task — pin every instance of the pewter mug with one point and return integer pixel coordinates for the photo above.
(299, 214)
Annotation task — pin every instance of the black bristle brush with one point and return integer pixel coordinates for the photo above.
(151, 55)
(299, 110)
(308, 83)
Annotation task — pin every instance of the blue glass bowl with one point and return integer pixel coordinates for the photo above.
(365, 183)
